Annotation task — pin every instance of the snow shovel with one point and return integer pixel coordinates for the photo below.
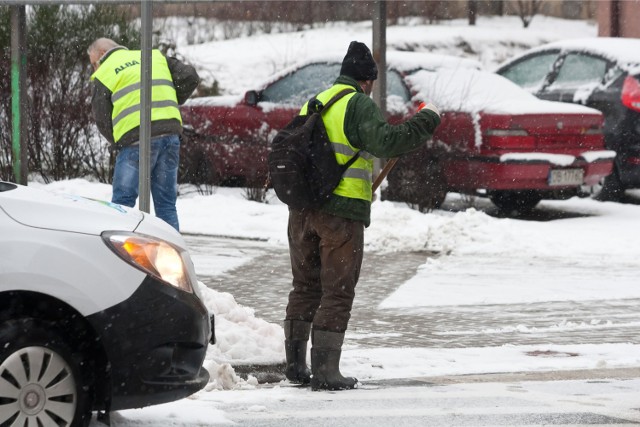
(383, 174)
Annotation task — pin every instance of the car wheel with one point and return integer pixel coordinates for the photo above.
(611, 190)
(417, 180)
(519, 201)
(41, 383)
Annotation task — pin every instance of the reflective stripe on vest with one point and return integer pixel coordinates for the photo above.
(120, 73)
(357, 180)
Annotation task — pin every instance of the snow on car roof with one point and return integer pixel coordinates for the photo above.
(473, 91)
(624, 51)
(402, 61)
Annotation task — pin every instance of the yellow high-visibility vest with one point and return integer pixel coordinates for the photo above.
(357, 179)
(121, 74)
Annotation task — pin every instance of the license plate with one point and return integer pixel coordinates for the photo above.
(559, 177)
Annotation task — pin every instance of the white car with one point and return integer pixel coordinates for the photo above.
(99, 310)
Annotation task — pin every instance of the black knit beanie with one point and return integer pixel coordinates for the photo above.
(358, 63)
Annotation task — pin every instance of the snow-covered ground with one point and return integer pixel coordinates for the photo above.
(486, 260)
(589, 255)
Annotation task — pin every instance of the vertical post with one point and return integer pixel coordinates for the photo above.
(144, 179)
(472, 11)
(18, 94)
(379, 26)
(615, 18)
(380, 52)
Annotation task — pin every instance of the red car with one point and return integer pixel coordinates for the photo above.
(499, 141)
(227, 137)
(495, 139)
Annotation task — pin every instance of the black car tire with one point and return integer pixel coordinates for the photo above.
(518, 201)
(40, 377)
(417, 180)
(612, 189)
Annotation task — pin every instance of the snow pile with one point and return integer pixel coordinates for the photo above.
(241, 338)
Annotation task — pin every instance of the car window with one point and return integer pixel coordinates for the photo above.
(297, 87)
(395, 86)
(531, 72)
(579, 69)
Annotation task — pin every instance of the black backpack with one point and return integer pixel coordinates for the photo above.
(302, 163)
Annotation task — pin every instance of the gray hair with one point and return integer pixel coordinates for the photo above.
(102, 44)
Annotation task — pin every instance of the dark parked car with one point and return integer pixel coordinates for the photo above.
(603, 73)
(495, 138)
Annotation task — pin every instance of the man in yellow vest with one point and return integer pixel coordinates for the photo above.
(326, 244)
(116, 109)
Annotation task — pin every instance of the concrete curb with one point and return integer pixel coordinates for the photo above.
(274, 373)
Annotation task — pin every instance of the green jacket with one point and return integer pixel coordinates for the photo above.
(367, 129)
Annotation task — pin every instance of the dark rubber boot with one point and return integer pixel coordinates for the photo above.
(296, 334)
(325, 362)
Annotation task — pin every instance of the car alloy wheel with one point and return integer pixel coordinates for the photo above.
(40, 383)
(41, 386)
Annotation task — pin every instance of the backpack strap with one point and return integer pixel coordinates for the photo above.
(317, 107)
(335, 98)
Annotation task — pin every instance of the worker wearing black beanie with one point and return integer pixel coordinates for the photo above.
(326, 244)
(358, 63)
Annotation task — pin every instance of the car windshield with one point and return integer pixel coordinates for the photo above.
(297, 87)
(396, 87)
(6, 186)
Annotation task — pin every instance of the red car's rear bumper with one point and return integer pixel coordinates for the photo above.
(490, 173)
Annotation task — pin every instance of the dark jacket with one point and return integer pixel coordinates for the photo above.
(185, 81)
(367, 129)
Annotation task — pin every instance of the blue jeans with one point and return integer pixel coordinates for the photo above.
(165, 156)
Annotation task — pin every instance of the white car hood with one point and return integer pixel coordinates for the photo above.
(44, 209)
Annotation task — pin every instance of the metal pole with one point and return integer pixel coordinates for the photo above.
(379, 26)
(144, 178)
(380, 52)
(18, 94)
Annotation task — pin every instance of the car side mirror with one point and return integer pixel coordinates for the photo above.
(251, 97)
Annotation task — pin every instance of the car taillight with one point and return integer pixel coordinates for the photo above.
(631, 93)
(508, 138)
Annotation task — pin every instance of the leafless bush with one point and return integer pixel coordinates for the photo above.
(256, 194)
(527, 9)
(63, 141)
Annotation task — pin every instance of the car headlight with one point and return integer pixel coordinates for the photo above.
(153, 256)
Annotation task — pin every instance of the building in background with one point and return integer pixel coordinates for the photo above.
(618, 18)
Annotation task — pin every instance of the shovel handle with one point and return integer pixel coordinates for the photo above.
(383, 174)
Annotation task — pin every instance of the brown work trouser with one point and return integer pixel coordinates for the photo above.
(326, 256)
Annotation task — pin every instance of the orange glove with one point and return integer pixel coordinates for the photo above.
(429, 106)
